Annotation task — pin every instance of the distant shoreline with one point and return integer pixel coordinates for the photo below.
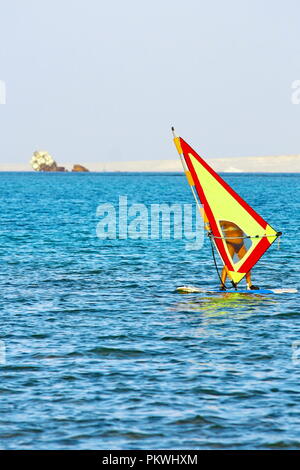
(268, 164)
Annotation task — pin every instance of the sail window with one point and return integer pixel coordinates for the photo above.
(236, 240)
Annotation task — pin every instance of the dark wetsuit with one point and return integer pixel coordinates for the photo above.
(236, 246)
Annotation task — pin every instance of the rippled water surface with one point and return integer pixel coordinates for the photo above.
(102, 353)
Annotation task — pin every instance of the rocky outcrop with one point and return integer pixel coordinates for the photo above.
(79, 168)
(42, 161)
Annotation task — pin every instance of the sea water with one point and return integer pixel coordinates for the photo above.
(98, 351)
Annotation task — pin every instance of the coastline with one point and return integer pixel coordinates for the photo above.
(267, 164)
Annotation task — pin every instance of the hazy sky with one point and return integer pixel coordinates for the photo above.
(99, 80)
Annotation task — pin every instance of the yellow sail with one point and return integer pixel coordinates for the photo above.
(240, 234)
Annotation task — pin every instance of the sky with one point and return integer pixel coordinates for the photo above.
(99, 81)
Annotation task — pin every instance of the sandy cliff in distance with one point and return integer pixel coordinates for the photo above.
(278, 164)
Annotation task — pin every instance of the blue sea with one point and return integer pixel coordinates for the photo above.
(97, 349)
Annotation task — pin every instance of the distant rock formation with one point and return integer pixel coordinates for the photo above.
(79, 168)
(42, 161)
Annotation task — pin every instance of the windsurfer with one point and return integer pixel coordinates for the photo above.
(238, 250)
(235, 242)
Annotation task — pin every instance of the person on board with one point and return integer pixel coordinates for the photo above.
(235, 241)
